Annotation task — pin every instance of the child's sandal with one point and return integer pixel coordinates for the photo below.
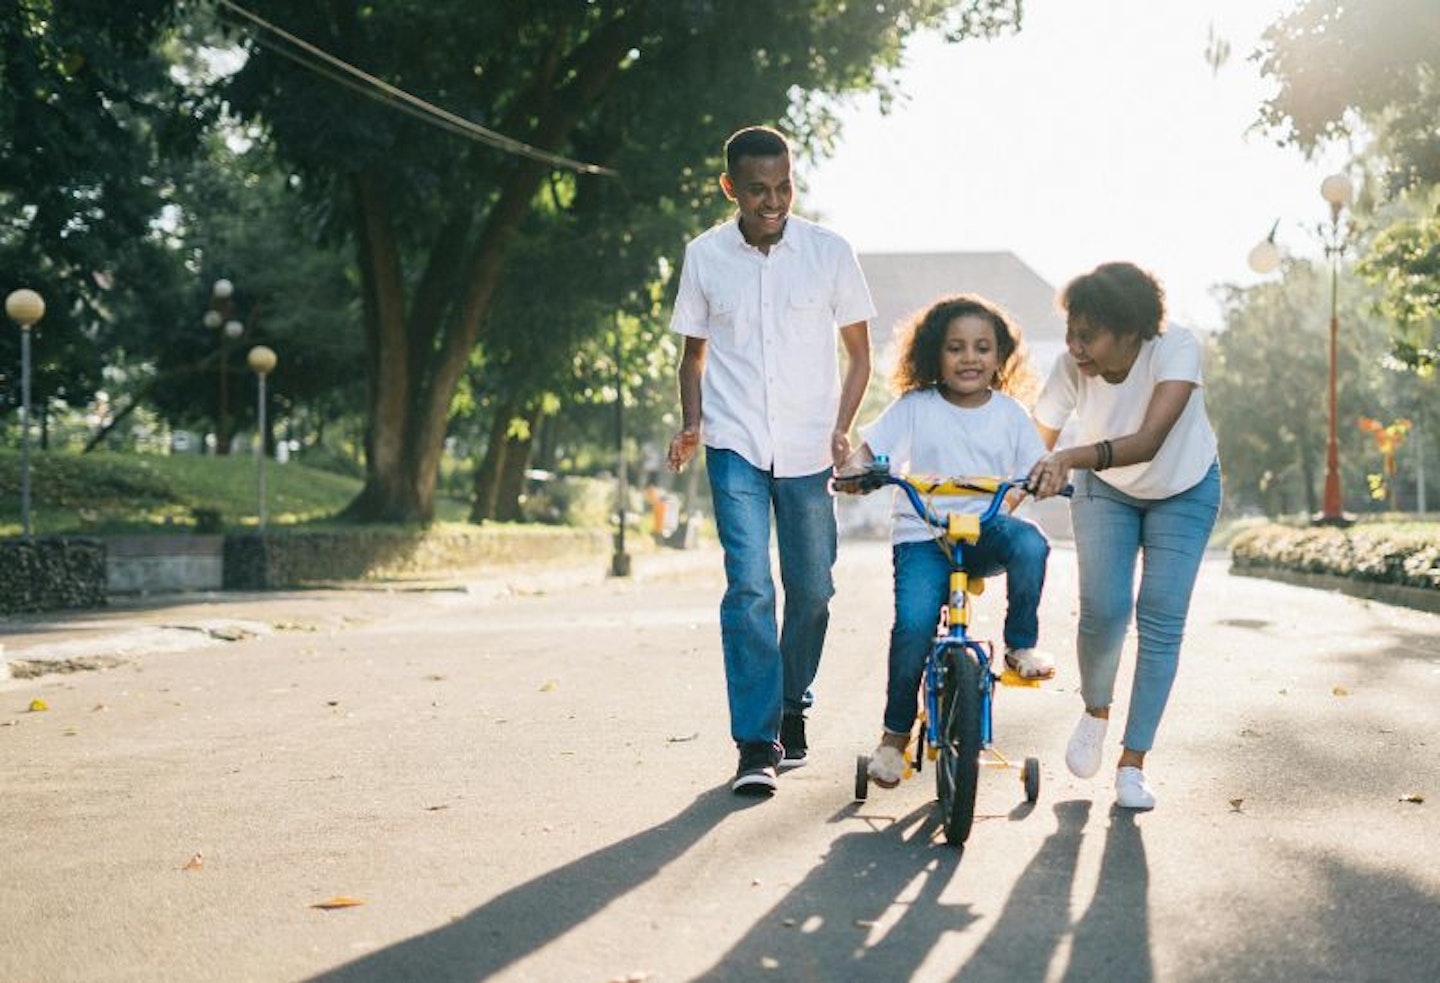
(1030, 663)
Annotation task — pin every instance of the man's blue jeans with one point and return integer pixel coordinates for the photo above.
(1112, 529)
(1010, 545)
(769, 672)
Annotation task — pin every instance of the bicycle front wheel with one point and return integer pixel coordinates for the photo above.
(957, 766)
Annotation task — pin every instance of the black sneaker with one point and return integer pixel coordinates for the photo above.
(756, 774)
(792, 739)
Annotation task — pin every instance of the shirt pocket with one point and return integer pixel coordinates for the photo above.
(727, 322)
(807, 312)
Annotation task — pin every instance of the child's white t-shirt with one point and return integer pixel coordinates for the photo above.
(923, 433)
(1107, 410)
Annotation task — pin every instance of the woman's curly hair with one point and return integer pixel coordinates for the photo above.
(1118, 297)
(922, 339)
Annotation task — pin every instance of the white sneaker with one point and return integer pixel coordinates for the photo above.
(1131, 789)
(1087, 746)
(887, 766)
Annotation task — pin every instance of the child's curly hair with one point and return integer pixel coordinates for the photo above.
(923, 338)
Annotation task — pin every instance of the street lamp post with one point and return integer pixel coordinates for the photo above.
(220, 317)
(25, 307)
(262, 361)
(620, 562)
(1337, 192)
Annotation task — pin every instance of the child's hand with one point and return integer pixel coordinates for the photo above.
(847, 482)
(682, 448)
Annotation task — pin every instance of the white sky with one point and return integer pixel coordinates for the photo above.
(1099, 132)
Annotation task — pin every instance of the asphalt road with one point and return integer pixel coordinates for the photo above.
(531, 785)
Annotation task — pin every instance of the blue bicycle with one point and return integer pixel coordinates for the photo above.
(957, 718)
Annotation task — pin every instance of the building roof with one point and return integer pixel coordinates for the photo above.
(903, 284)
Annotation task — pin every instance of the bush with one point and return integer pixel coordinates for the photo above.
(1407, 554)
(570, 501)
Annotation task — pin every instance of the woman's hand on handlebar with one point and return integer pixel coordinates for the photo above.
(1048, 477)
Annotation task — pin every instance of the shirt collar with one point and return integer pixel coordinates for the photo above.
(787, 237)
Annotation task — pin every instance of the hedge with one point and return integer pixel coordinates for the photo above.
(1396, 554)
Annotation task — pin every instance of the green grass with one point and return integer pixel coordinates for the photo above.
(115, 493)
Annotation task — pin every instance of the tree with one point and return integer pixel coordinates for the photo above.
(647, 88)
(1343, 67)
(87, 108)
(238, 216)
(1266, 389)
(1372, 71)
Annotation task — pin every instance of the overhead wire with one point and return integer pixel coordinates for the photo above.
(397, 98)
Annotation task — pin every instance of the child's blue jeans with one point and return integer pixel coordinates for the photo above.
(922, 586)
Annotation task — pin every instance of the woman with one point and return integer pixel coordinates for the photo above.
(1147, 484)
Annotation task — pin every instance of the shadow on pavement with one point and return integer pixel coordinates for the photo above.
(870, 910)
(871, 881)
(1035, 919)
(526, 917)
(1112, 939)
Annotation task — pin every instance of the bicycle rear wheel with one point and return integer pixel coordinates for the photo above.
(957, 767)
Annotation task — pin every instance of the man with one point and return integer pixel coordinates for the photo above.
(759, 302)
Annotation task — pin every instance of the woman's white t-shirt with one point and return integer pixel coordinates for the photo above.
(923, 433)
(1107, 410)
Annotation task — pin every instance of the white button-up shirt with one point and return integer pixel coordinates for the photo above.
(771, 387)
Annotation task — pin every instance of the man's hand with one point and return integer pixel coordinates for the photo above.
(683, 447)
(839, 448)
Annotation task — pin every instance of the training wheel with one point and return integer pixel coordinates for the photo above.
(1030, 778)
(862, 777)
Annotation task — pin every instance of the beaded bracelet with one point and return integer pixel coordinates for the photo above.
(1104, 454)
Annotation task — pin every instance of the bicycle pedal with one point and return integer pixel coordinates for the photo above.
(1012, 678)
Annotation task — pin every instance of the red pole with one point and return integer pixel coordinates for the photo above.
(1332, 511)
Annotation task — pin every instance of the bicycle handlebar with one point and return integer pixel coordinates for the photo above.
(877, 474)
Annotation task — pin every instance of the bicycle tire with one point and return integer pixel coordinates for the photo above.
(957, 767)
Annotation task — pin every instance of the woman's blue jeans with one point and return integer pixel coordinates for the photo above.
(922, 586)
(769, 672)
(1169, 536)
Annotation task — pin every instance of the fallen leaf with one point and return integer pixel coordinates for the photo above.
(1235, 804)
(339, 901)
(435, 808)
(1340, 691)
(1414, 797)
(769, 962)
(549, 685)
(194, 863)
(682, 740)
(38, 705)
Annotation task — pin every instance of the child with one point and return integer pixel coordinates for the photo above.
(961, 363)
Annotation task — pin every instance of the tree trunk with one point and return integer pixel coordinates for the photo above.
(487, 475)
(518, 451)
(415, 366)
